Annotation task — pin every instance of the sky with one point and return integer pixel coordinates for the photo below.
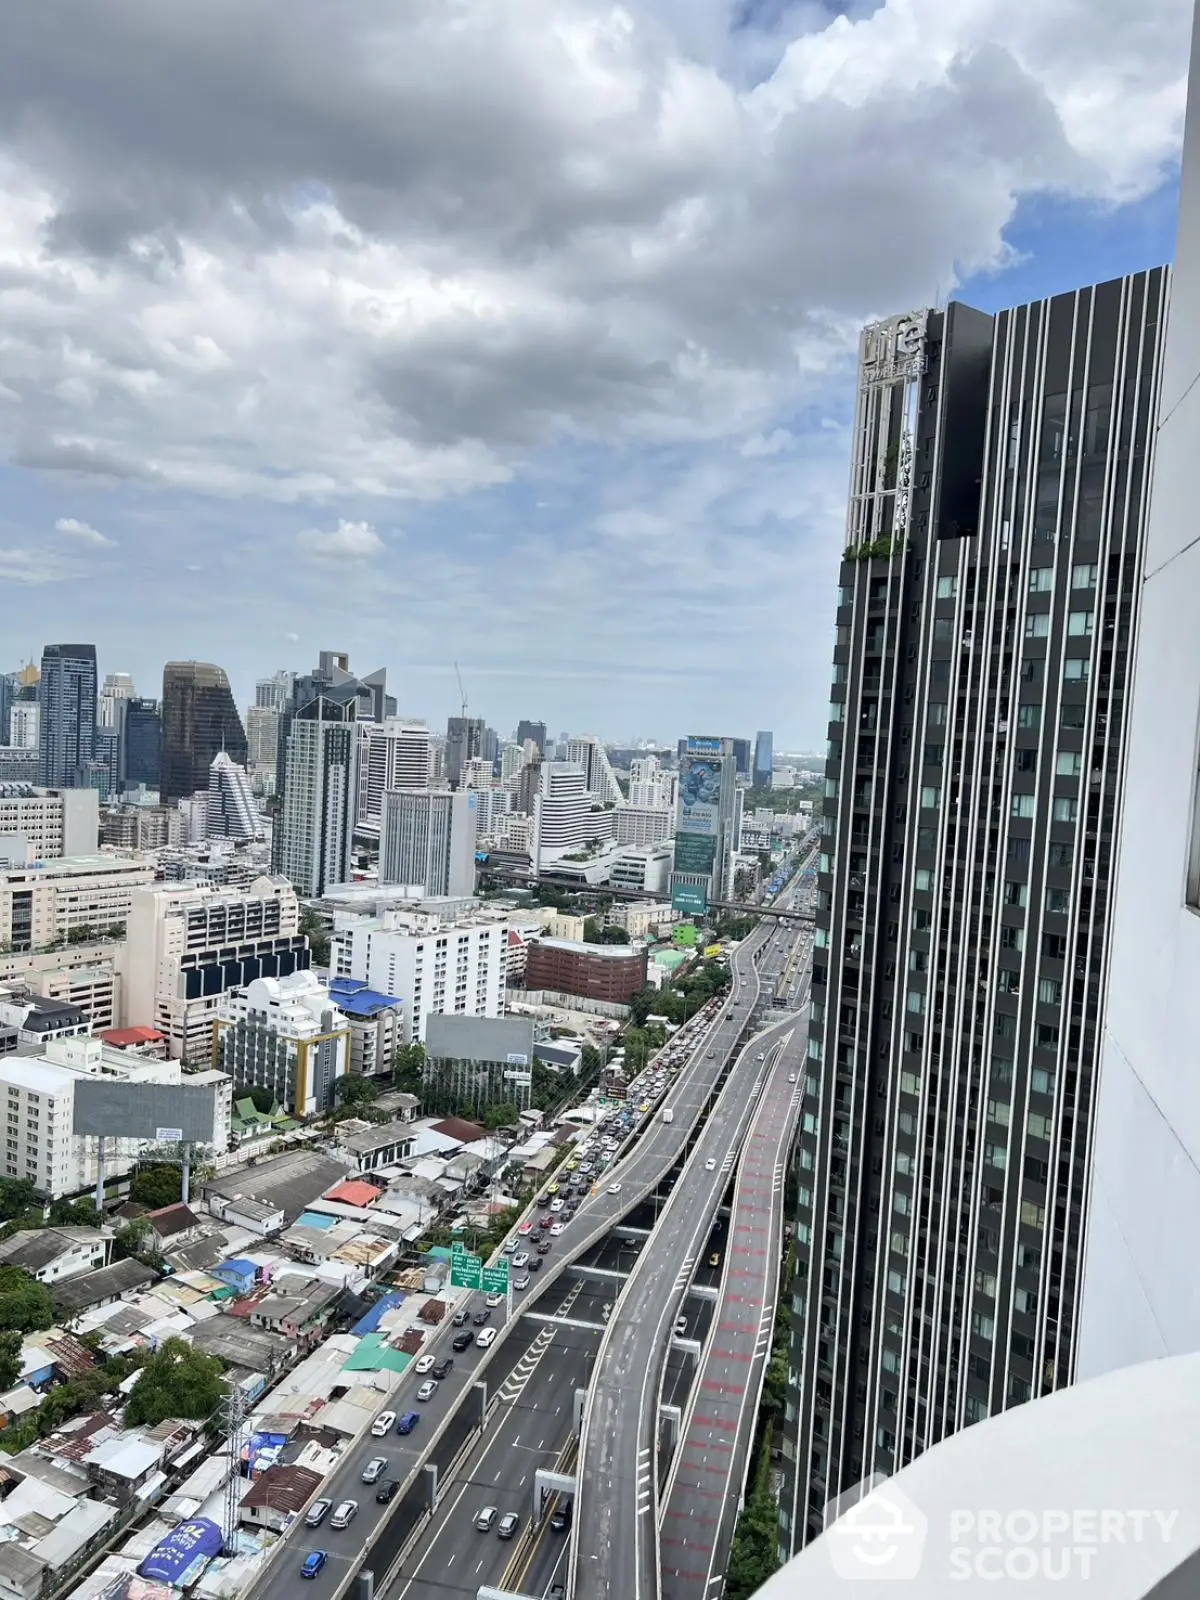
(515, 333)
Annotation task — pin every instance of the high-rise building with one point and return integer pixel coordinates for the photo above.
(232, 811)
(67, 720)
(115, 693)
(512, 759)
(985, 624)
(447, 968)
(651, 784)
(25, 721)
(536, 731)
(314, 829)
(428, 839)
(199, 718)
(8, 693)
(562, 812)
(764, 757)
(50, 822)
(707, 824)
(599, 778)
(142, 759)
(1143, 1256)
(464, 741)
(274, 693)
(395, 754)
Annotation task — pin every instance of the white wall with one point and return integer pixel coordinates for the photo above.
(1142, 1274)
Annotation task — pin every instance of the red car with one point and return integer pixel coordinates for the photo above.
(545, 1222)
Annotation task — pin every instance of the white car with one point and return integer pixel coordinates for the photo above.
(791, 1077)
(709, 1164)
(386, 1420)
(555, 1205)
(556, 1228)
(424, 1364)
(614, 1188)
(427, 1390)
(494, 1300)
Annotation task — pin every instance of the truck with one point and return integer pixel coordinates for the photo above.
(668, 1115)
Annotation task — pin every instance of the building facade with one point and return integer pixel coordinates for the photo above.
(707, 823)
(428, 839)
(973, 792)
(764, 758)
(287, 1036)
(465, 739)
(376, 1026)
(396, 754)
(199, 719)
(564, 819)
(432, 967)
(232, 811)
(52, 822)
(599, 779)
(66, 715)
(535, 732)
(314, 831)
(68, 900)
(613, 973)
(142, 732)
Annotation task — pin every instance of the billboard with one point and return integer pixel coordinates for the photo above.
(695, 852)
(700, 795)
(689, 898)
(176, 1113)
(181, 1557)
(684, 934)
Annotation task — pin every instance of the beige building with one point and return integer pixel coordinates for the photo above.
(52, 901)
(188, 944)
(83, 975)
(51, 823)
(562, 925)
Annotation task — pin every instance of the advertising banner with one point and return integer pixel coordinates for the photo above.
(694, 852)
(684, 934)
(690, 899)
(699, 795)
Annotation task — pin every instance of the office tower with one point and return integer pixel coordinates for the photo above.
(141, 762)
(651, 785)
(741, 756)
(383, 705)
(314, 830)
(199, 718)
(763, 760)
(25, 720)
(1139, 1300)
(67, 717)
(464, 741)
(563, 816)
(262, 738)
(707, 823)
(532, 730)
(115, 693)
(8, 693)
(599, 777)
(985, 624)
(232, 812)
(394, 754)
(275, 692)
(512, 759)
(529, 783)
(427, 839)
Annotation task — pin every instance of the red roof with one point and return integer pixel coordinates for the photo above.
(354, 1194)
(458, 1128)
(124, 1037)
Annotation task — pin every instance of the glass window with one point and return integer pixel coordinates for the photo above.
(1066, 810)
(915, 1001)
(1073, 716)
(936, 714)
(1029, 716)
(1012, 938)
(947, 588)
(1075, 667)
(1047, 1035)
(1050, 991)
(923, 879)
(1016, 894)
(1080, 623)
(1037, 626)
(930, 799)
(1083, 577)
(1023, 805)
(1039, 1125)
(1069, 764)
(910, 1082)
(1032, 1216)
(1041, 580)
(1041, 1080)
(943, 630)
(837, 711)
(1058, 900)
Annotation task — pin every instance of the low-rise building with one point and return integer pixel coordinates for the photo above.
(50, 823)
(82, 974)
(612, 973)
(640, 919)
(52, 1254)
(277, 1496)
(645, 868)
(376, 1024)
(67, 899)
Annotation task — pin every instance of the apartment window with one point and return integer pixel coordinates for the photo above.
(906, 1122)
(1080, 624)
(1031, 671)
(1025, 1300)
(1083, 577)
(1016, 894)
(1066, 810)
(915, 1001)
(820, 938)
(996, 1155)
(1058, 900)
(999, 1112)
(1012, 938)
(943, 630)
(1041, 580)
(1008, 982)
(890, 1361)
(1076, 667)
(1047, 1035)
(1050, 992)
(914, 1043)
(923, 879)
(900, 1203)
(1024, 805)
(982, 1325)
(936, 714)
(947, 588)
(1069, 764)
(918, 961)
(910, 1082)
(1032, 1216)
(986, 1284)
(837, 711)
(922, 920)
(814, 1049)
(1037, 626)
(930, 799)
(1029, 716)
(1026, 761)
(831, 788)
(904, 1164)
(1039, 1125)
(896, 1282)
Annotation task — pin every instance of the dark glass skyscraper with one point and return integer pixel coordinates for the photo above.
(764, 757)
(142, 756)
(199, 718)
(985, 629)
(67, 702)
(532, 730)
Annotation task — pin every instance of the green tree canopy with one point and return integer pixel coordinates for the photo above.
(156, 1185)
(502, 1115)
(355, 1090)
(10, 1357)
(318, 939)
(24, 1302)
(16, 1197)
(177, 1381)
(408, 1066)
(264, 1099)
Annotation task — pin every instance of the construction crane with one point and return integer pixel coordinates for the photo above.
(461, 691)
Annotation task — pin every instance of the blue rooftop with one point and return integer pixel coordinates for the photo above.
(357, 1000)
(370, 1323)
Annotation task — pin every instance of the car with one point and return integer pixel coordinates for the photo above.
(387, 1492)
(522, 1282)
(791, 1077)
(312, 1563)
(714, 1259)
(712, 1052)
(572, 1208)
(631, 1241)
(557, 1205)
(543, 1200)
(614, 1188)
(552, 1188)
(570, 1165)
(644, 1107)
(543, 1249)
(443, 1367)
(487, 1515)
(408, 1422)
(461, 1318)
(318, 1511)
(383, 1424)
(485, 1337)
(344, 1515)
(494, 1300)
(560, 1517)
(462, 1341)
(525, 1229)
(536, 1264)
(507, 1527)
(427, 1390)
(709, 1165)
(545, 1223)
(606, 1310)
(680, 1327)
(424, 1364)
(510, 1246)
(374, 1469)
(521, 1259)
(481, 1317)
(557, 1592)
(761, 1055)
(556, 1230)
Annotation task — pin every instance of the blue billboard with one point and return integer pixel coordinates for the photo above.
(180, 1558)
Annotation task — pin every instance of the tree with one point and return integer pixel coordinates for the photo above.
(502, 1115)
(318, 938)
(177, 1381)
(10, 1357)
(74, 1214)
(24, 1302)
(355, 1090)
(135, 1241)
(157, 1185)
(408, 1066)
(16, 1197)
(263, 1099)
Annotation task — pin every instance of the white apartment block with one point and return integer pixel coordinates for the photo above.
(285, 1035)
(231, 811)
(56, 900)
(477, 773)
(563, 816)
(514, 831)
(25, 721)
(640, 918)
(651, 785)
(433, 967)
(491, 807)
(396, 754)
(599, 778)
(428, 838)
(187, 944)
(642, 825)
(52, 823)
(645, 867)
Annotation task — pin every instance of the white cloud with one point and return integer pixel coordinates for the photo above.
(81, 532)
(32, 566)
(352, 541)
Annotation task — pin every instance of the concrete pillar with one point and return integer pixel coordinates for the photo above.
(580, 1402)
(669, 1423)
(477, 1403)
(429, 1481)
(364, 1585)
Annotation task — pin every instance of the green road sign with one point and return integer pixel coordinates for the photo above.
(464, 1270)
(495, 1279)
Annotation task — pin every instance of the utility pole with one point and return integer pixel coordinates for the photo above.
(235, 1423)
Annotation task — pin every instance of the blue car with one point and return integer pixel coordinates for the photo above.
(408, 1422)
(313, 1562)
